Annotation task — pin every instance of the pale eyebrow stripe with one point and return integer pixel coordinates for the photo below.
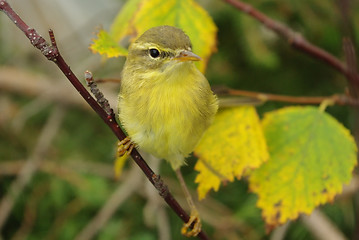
(145, 46)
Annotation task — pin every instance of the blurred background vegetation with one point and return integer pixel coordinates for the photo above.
(47, 127)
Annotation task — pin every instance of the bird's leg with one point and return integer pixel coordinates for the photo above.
(125, 147)
(194, 219)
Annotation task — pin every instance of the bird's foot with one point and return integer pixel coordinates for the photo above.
(125, 147)
(194, 221)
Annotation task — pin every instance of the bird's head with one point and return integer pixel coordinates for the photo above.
(161, 49)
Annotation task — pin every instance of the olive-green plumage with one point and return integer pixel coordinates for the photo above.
(165, 103)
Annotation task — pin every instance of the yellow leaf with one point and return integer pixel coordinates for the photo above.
(233, 144)
(137, 16)
(184, 14)
(105, 45)
(108, 43)
(312, 156)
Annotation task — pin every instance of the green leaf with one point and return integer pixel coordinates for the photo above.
(137, 16)
(122, 25)
(233, 144)
(106, 45)
(184, 14)
(312, 156)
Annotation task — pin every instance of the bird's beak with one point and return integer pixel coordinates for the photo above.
(187, 56)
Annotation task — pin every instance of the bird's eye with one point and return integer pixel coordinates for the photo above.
(154, 53)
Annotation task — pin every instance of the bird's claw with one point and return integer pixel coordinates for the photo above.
(125, 147)
(194, 221)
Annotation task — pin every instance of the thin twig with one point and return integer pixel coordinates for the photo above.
(108, 80)
(154, 211)
(51, 52)
(48, 133)
(296, 40)
(337, 99)
(100, 98)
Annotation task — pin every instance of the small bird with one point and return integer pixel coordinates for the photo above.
(165, 103)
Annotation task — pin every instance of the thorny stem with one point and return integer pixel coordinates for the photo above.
(51, 53)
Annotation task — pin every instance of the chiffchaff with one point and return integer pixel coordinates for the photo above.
(165, 102)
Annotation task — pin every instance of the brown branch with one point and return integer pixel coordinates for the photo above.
(296, 40)
(51, 52)
(107, 80)
(337, 99)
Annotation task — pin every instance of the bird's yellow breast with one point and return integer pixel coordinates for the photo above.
(166, 114)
